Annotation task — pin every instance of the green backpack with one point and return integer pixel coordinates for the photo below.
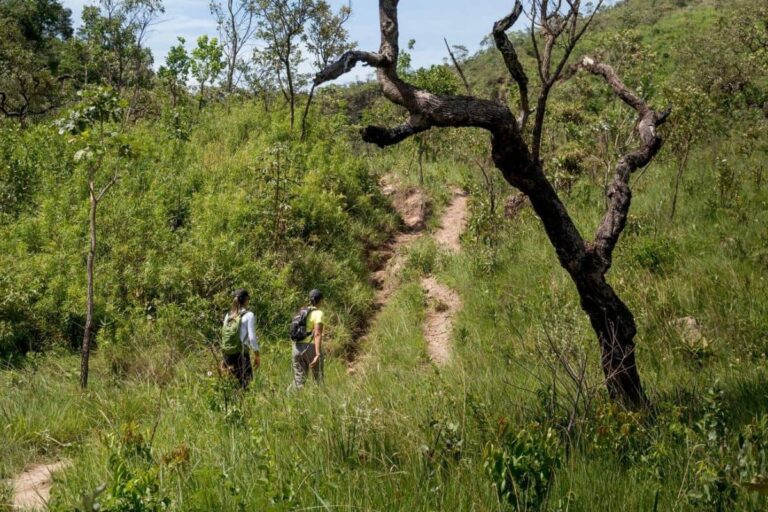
(230, 336)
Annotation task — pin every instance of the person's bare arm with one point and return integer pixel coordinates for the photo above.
(253, 340)
(318, 335)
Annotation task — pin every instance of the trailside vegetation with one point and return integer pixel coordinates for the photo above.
(133, 202)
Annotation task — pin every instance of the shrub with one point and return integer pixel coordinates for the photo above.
(522, 467)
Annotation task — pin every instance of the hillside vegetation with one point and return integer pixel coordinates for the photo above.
(219, 192)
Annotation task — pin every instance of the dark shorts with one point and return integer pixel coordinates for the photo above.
(239, 365)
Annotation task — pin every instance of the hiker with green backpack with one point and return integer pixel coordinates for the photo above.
(238, 336)
(307, 336)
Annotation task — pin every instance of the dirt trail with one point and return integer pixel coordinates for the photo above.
(453, 222)
(413, 209)
(389, 260)
(32, 488)
(443, 303)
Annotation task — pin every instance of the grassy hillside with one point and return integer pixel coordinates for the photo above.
(231, 201)
(406, 435)
(518, 420)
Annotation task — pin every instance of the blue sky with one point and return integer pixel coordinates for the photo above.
(463, 22)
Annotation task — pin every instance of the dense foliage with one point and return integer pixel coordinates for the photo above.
(217, 191)
(231, 203)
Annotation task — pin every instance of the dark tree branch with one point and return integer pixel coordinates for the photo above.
(458, 67)
(552, 27)
(586, 263)
(535, 43)
(507, 50)
(619, 192)
(345, 64)
(384, 137)
(575, 37)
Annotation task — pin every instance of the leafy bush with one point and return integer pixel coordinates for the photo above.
(184, 227)
(522, 466)
(134, 476)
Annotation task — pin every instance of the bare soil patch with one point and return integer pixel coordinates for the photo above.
(453, 222)
(443, 303)
(32, 488)
(413, 208)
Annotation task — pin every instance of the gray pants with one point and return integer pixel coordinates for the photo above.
(303, 354)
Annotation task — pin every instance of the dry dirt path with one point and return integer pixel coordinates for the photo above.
(413, 209)
(453, 222)
(443, 303)
(32, 488)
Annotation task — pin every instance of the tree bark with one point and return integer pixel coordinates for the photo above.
(587, 262)
(306, 113)
(681, 165)
(85, 352)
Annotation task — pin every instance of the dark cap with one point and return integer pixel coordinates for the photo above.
(315, 296)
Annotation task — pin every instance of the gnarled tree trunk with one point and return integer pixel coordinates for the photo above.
(587, 262)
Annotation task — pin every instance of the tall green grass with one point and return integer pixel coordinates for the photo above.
(402, 434)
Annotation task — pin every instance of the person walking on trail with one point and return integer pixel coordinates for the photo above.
(307, 336)
(238, 337)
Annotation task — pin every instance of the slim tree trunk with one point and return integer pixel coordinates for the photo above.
(458, 67)
(231, 74)
(291, 92)
(88, 334)
(681, 165)
(306, 113)
(264, 99)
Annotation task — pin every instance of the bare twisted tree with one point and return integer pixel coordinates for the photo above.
(553, 23)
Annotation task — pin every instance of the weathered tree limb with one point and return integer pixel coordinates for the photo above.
(519, 163)
(619, 192)
(384, 137)
(458, 67)
(348, 61)
(514, 67)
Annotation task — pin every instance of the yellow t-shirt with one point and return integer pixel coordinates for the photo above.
(314, 318)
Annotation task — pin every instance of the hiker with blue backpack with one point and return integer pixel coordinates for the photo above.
(307, 336)
(238, 337)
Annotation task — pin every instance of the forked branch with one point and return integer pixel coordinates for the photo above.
(426, 110)
(555, 22)
(619, 193)
(511, 60)
(345, 64)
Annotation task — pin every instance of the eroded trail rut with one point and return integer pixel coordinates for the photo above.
(443, 303)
